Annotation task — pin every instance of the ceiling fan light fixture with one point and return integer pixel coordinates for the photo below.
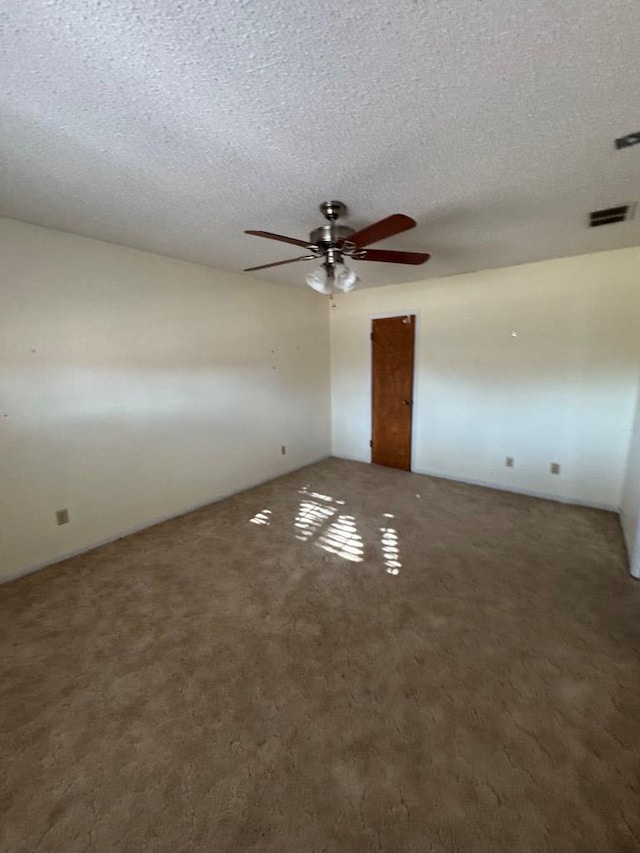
(345, 278)
(318, 281)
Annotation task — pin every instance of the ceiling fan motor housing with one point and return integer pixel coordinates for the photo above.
(327, 235)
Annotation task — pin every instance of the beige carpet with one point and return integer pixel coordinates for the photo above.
(346, 659)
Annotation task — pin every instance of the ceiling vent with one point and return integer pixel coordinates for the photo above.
(609, 215)
(628, 140)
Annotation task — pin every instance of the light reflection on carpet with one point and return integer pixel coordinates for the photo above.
(316, 521)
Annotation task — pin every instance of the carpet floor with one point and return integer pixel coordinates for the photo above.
(348, 658)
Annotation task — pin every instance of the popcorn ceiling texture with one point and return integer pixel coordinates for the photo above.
(174, 126)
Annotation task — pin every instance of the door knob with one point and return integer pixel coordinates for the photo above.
(407, 402)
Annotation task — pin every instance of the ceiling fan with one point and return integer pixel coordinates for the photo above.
(331, 243)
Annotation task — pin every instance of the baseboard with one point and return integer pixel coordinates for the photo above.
(501, 487)
(351, 458)
(144, 526)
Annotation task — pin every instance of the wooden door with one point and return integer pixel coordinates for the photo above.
(392, 348)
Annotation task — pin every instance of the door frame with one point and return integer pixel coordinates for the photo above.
(380, 315)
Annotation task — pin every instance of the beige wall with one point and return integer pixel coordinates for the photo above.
(133, 387)
(630, 508)
(562, 391)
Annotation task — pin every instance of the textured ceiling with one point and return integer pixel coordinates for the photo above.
(173, 126)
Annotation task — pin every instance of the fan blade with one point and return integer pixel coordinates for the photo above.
(282, 239)
(394, 224)
(386, 256)
(279, 263)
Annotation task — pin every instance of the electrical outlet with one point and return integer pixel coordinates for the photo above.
(283, 450)
(509, 461)
(62, 516)
(555, 467)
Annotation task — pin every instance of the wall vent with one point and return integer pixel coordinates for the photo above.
(608, 215)
(628, 140)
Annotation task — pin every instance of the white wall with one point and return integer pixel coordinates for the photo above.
(562, 391)
(133, 387)
(630, 509)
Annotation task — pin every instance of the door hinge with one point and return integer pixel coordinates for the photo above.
(371, 335)
(371, 443)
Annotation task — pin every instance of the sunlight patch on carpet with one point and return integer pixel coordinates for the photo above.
(261, 517)
(342, 538)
